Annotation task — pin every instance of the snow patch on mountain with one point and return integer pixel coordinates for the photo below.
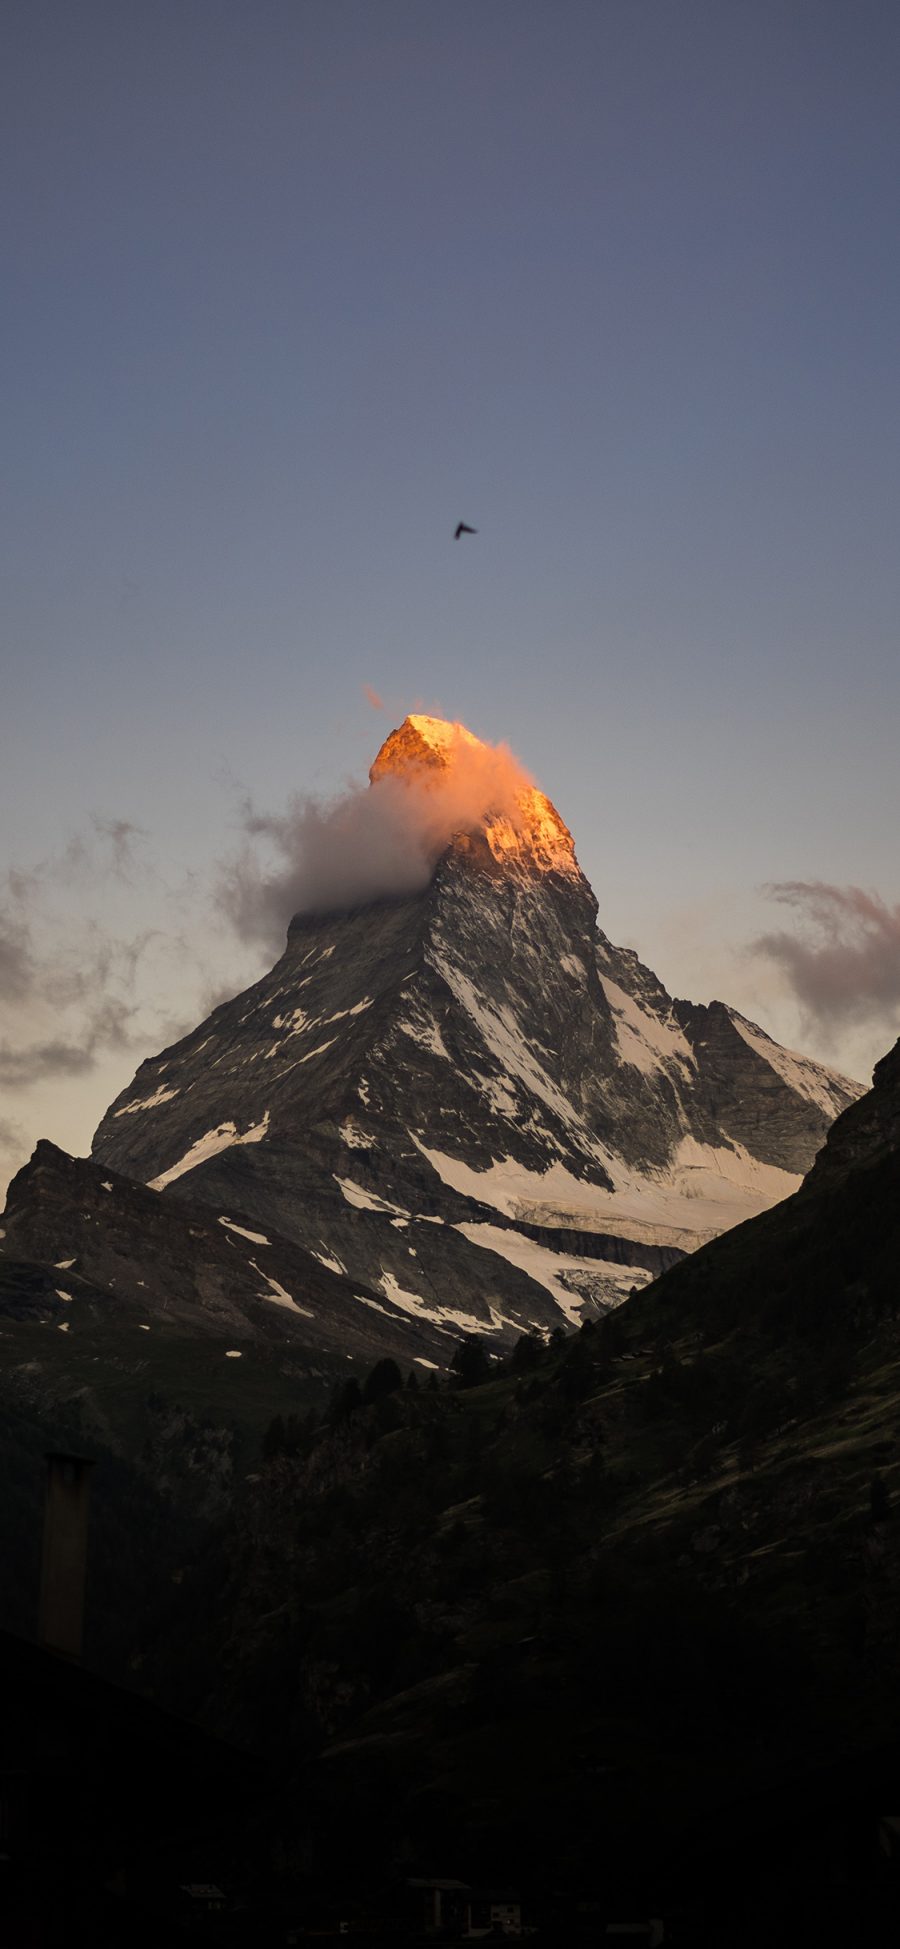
(512, 1188)
(160, 1095)
(643, 1039)
(705, 1189)
(364, 1300)
(209, 1145)
(331, 1264)
(318, 1051)
(296, 1021)
(408, 1302)
(256, 1238)
(279, 1296)
(367, 1200)
(596, 1278)
(447, 1319)
(500, 1094)
(427, 1035)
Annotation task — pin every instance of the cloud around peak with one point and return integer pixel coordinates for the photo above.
(370, 842)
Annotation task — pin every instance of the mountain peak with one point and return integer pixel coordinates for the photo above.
(482, 788)
(431, 741)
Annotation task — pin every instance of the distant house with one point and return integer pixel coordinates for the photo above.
(493, 1912)
(439, 1906)
(445, 1907)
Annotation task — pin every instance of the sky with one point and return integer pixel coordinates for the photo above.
(290, 289)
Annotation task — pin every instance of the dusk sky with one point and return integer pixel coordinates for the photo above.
(290, 289)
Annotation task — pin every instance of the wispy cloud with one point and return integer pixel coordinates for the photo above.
(16, 955)
(121, 836)
(67, 982)
(104, 958)
(33, 1063)
(13, 1148)
(842, 957)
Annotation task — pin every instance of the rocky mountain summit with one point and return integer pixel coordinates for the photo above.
(464, 1099)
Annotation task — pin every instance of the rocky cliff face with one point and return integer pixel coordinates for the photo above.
(439, 1096)
(868, 1132)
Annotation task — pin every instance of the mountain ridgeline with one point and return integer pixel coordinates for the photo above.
(443, 1111)
(470, 1100)
(460, 1109)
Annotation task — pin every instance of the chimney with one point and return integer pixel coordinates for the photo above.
(64, 1563)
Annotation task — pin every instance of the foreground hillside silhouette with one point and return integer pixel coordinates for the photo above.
(640, 1583)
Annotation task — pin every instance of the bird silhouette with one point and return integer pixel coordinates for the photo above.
(462, 529)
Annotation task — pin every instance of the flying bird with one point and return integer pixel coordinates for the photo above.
(462, 529)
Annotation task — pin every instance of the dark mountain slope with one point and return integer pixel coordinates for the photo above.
(176, 1268)
(614, 1587)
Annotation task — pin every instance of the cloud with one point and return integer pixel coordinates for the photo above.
(121, 834)
(106, 1027)
(22, 1067)
(370, 843)
(66, 983)
(104, 954)
(843, 960)
(372, 697)
(16, 956)
(14, 1147)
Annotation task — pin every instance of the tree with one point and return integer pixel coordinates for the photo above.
(470, 1362)
(576, 1375)
(347, 1397)
(384, 1379)
(273, 1439)
(526, 1354)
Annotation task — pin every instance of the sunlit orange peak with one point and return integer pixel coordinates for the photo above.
(486, 788)
(422, 741)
